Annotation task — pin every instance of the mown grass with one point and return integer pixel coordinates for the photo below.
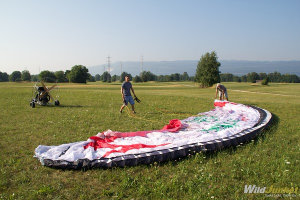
(272, 159)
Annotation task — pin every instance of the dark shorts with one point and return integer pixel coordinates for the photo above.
(128, 99)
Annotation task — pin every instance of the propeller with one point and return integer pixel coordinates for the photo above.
(47, 91)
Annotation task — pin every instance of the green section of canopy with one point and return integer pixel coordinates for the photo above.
(230, 123)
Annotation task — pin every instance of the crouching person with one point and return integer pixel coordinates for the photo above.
(222, 92)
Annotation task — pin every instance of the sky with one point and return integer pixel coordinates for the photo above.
(55, 35)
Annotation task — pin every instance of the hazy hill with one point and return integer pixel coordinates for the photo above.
(227, 66)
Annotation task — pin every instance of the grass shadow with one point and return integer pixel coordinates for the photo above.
(72, 106)
(60, 106)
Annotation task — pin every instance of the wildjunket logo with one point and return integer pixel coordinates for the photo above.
(253, 189)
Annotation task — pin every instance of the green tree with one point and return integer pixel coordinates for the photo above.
(161, 78)
(114, 78)
(184, 76)
(79, 74)
(294, 78)
(26, 75)
(207, 72)
(244, 78)
(67, 75)
(192, 78)
(252, 77)
(97, 77)
(15, 76)
(60, 76)
(91, 78)
(237, 79)
(262, 76)
(175, 77)
(227, 77)
(265, 81)
(35, 78)
(47, 76)
(289, 78)
(137, 79)
(106, 77)
(4, 77)
(147, 76)
(275, 77)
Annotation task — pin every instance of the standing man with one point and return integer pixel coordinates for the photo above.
(222, 91)
(126, 95)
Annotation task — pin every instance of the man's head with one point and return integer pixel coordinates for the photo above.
(218, 84)
(127, 79)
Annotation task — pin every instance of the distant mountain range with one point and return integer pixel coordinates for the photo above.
(237, 67)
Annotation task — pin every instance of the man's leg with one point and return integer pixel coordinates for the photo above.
(125, 102)
(132, 105)
(122, 107)
(226, 95)
(131, 101)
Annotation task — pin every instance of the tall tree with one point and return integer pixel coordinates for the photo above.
(35, 77)
(79, 74)
(137, 79)
(4, 77)
(207, 72)
(184, 76)
(147, 76)
(262, 76)
(91, 78)
(47, 76)
(114, 78)
(244, 78)
(67, 75)
(252, 77)
(26, 75)
(97, 77)
(60, 76)
(106, 77)
(15, 76)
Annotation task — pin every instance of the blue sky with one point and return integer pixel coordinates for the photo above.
(55, 35)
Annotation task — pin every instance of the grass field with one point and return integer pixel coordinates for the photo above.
(271, 159)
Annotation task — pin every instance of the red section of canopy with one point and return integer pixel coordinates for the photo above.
(223, 103)
(105, 143)
(220, 103)
(98, 142)
(173, 126)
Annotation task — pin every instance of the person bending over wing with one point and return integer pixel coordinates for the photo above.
(222, 92)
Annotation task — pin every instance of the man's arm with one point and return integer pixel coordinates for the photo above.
(216, 92)
(122, 92)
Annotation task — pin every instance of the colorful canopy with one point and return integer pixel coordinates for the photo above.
(227, 125)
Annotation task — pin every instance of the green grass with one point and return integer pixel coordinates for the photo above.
(272, 159)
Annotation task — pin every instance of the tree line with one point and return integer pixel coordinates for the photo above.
(207, 74)
(78, 74)
(253, 77)
(144, 76)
